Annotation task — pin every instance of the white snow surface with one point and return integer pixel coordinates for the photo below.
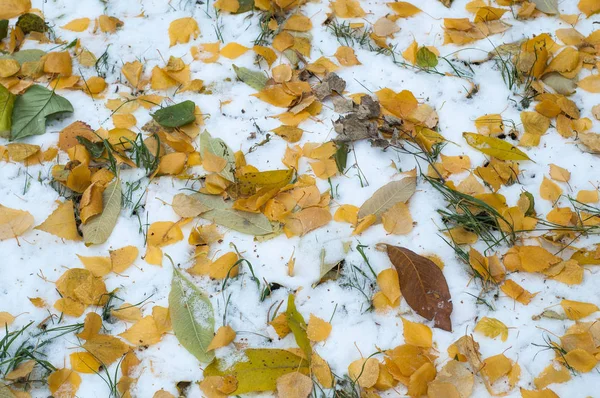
(355, 331)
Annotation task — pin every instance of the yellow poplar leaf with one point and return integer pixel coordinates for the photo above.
(9, 67)
(133, 72)
(164, 233)
(91, 326)
(347, 9)
(267, 53)
(589, 7)
(551, 375)
(294, 385)
(227, 5)
(346, 56)
(61, 222)
(77, 25)
(182, 30)
(122, 258)
(20, 152)
(64, 383)
(153, 255)
(491, 327)
(364, 371)
(233, 50)
(417, 385)
(13, 8)
(298, 23)
(388, 282)
(576, 309)
(98, 266)
(496, 367)
(280, 325)
(91, 202)
(14, 222)
(84, 362)
(6, 319)
(318, 329)
(107, 349)
(590, 83)
(410, 54)
(22, 370)
(324, 169)
(127, 312)
(404, 9)
(58, 63)
(417, 334)
(224, 336)
(346, 213)
(557, 173)
(289, 133)
(397, 220)
(490, 124)
(143, 332)
(516, 292)
(580, 360)
(550, 190)
(225, 266)
(109, 24)
(545, 393)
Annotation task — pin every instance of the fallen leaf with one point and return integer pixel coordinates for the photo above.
(64, 383)
(13, 222)
(387, 196)
(491, 327)
(182, 30)
(495, 147)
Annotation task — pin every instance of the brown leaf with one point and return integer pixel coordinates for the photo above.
(423, 285)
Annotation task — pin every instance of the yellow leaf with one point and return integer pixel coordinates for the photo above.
(20, 152)
(495, 147)
(551, 375)
(165, 394)
(58, 63)
(22, 370)
(496, 366)
(576, 309)
(227, 5)
(225, 266)
(276, 96)
(13, 8)
(491, 327)
(224, 336)
(77, 25)
(61, 222)
(182, 30)
(557, 173)
(9, 67)
(233, 50)
(346, 213)
(318, 329)
(143, 332)
(84, 362)
(388, 282)
(364, 223)
(91, 326)
(122, 258)
(306, 220)
(490, 124)
(298, 23)
(98, 266)
(289, 133)
(14, 223)
(516, 292)
(346, 56)
(586, 196)
(347, 9)
(164, 233)
(294, 385)
(364, 371)
(127, 312)
(107, 349)
(397, 220)
(589, 7)
(580, 360)
(280, 325)
(324, 169)
(91, 202)
(109, 24)
(545, 393)
(404, 9)
(218, 386)
(417, 334)
(64, 383)
(267, 53)
(550, 190)
(590, 83)
(133, 72)
(417, 385)
(38, 302)
(153, 255)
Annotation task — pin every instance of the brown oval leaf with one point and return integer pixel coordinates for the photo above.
(423, 285)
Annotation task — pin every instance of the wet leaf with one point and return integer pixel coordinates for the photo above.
(423, 285)
(191, 316)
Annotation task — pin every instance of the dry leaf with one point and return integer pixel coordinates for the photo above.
(13, 222)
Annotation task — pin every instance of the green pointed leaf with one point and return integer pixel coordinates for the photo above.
(3, 29)
(260, 369)
(223, 214)
(426, 58)
(192, 317)
(495, 147)
(32, 108)
(245, 6)
(256, 80)
(218, 147)
(32, 55)
(7, 102)
(176, 115)
(98, 228)
(297, 325)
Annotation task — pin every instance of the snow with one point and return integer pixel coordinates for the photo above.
(30, 265)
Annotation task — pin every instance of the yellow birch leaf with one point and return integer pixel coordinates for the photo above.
(417, 385)
(365, 372)
(164, 233)
(133, 72)
(122, 258)
(91, 326)
(182, 30)
(576, 310)
(233, 50)
(294, 385)
(590, 83)
(107, 349)
(404, 9)
(127, 312)
(490, 124)
(557, 173)
(225, 266)
(58, 63)
(580, 360)
(227, 5)
(64, 383)
(397, 220)
(224, 336)
(153, 255)
(13, 8)
(84, 362)
(318, 329)
(417, 334)
(550, 190)
(491, 327)
(388, 282)
(6, 319)
(551, 375)
(544, 393)
(98, 266)
(516, 292)
(14, 222)
(346, 56)
(144, 332)
(289, 133)
(77, 25)
(346, 213)
(589, 7)
(61, 222)
(347, 9)
(586, 196)
(496, 366)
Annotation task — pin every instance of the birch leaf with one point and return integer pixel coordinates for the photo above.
(192, 317)
(260, 369)
(495, 147)
(387, 196)
(98, 228)
(13, 222)
(5, 392)
(491, 327)
(222, 213)
(218, 147)
(256, 80)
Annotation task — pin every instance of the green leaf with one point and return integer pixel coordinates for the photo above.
(31, 23)
(256, 80)
(32, 55)
(546, 6)
(341, 156)
(260, 369)
(245, 6)
(96, 149)
(176, 115)
(32, 108)
(297, 325)
(7, 102)
(426, 58)
(387, 196)
(218, 147)
(495, 147)
(223, 214)
(3, 29)
(192, 317)
(98, 228)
